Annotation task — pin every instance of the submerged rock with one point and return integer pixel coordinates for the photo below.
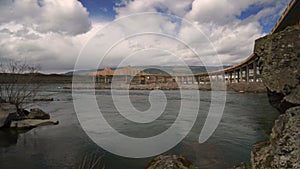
(170, 162)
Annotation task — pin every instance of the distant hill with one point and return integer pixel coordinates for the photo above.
(160, 70)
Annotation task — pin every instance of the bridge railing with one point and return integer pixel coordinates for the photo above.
(285, 12)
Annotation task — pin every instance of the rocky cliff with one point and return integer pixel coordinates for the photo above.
(279, 60)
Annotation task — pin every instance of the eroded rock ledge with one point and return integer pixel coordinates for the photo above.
(279, 61)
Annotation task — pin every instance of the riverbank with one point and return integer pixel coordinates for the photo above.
(237, 87)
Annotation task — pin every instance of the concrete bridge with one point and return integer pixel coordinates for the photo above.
(247, 71)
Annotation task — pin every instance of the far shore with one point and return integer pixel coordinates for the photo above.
(237, 87)
(85, 81)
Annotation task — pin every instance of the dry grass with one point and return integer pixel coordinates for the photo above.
(91, 161)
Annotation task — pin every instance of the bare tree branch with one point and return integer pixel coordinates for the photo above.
(19, 82)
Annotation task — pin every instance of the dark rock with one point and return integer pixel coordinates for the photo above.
(283, 148)
(38, 114)
(5, 110)
(277, 101)
(23, 113)
(170, 162)
(11, 117)
(279, 60)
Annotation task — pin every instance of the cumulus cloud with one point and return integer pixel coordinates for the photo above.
(176, 7)
(45, 32)
(66, 17)
(230, 35)
(52, 32)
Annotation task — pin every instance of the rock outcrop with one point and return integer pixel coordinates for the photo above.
(9, 118)
(38, 114)
(279, 55)
(282, 150)
(279, 60)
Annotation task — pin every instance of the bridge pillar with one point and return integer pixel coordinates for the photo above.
(105, 80)
(165, 79)
(254, 71)
(96, 79)
(234, 76)
(208, 80)
(241, 75)
(126, 79)
(247, 73)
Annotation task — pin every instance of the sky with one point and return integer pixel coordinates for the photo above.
(57, 34)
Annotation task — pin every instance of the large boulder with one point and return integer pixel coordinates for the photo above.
(6, 110)
(38, 114)
(279, 61)
(283, 148)
(279, 57)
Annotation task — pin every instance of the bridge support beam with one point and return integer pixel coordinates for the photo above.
(247, 73)
(254, 71)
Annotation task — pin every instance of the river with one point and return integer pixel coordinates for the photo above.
(247, 118)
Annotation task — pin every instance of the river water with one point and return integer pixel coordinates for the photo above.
(247, 118)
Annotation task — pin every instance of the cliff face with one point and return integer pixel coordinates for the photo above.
(279, 60)
(280, 66)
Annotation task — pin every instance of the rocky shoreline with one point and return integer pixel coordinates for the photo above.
(9, 118)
